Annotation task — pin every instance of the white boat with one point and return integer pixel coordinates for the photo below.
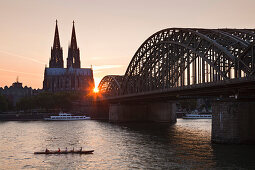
(67, 116)
(197, 116)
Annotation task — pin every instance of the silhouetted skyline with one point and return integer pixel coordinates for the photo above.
(108, 32)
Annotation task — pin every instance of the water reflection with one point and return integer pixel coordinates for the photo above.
(184, 145)
(179, 145)
(234, 156)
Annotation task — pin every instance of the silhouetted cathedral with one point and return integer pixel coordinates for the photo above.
(72, 78)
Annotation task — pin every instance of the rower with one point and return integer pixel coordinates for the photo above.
(66, 149)
(58, 149)
(81, 149)
(46, 150)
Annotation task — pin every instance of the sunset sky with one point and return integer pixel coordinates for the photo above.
(108, 31)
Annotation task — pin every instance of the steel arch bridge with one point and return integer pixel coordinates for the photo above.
(110, 85)
(177, 57)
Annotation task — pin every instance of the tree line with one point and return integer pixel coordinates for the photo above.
(62, 101)
(5, 105)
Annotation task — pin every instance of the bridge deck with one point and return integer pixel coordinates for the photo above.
(243, 87)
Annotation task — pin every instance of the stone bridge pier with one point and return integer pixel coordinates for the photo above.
(150, 112)
(233, 121)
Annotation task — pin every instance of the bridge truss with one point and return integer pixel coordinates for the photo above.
(177, 57)
(110, 85)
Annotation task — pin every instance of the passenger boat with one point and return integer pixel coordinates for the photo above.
(197, 116)
(67, 116)
(66, 152)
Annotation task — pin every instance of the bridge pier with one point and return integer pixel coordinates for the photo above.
(152, 112)
(100, 110)
(233, 121)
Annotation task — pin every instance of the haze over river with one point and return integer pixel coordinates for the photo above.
(184, 145)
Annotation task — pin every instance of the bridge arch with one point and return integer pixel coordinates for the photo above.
(184, 56)
(177, 57)
(110, 85)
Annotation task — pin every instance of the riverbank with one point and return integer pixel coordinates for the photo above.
(23, 116)
(14, 116)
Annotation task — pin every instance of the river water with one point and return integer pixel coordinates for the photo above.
(184, 145)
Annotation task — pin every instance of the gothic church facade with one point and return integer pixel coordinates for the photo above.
(73, 78)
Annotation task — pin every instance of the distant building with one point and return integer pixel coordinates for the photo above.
(73, 78)
(15, 92)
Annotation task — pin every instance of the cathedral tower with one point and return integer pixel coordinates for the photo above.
(70, 79)
(73, 59)
(56, 60)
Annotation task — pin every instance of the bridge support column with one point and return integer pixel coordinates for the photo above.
(233, 122)
(100, 110)
(152, 112)
(162, 112)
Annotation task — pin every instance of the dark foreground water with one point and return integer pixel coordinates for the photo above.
(184, 145)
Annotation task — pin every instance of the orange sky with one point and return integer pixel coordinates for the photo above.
(108, 31)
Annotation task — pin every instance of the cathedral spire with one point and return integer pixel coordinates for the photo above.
(73, 38)
(56, 43)
(73, 59)
(56, 60)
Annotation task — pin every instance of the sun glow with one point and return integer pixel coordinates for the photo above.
(95, 90)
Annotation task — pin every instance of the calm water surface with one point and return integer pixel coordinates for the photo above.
(184, 145)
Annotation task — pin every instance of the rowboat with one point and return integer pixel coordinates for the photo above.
(66, 152)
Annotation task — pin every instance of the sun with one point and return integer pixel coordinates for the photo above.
(95, 90)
